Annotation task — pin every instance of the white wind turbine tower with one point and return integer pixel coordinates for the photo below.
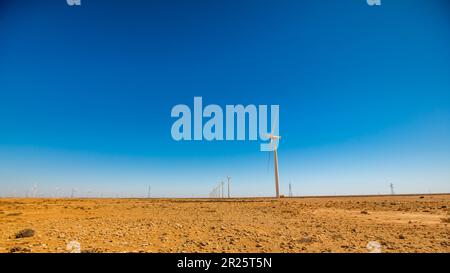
(274, 141)
(34, 191)
(228, 179)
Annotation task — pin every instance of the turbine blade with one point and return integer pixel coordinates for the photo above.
(274, 124)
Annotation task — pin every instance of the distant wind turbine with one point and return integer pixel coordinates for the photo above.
(228, 179)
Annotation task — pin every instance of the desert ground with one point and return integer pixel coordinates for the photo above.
(419, 223)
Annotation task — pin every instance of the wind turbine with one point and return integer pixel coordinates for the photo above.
(228, 179)
(34, 191)
(274, 140)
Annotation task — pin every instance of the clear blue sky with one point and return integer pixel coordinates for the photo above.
(86, 94)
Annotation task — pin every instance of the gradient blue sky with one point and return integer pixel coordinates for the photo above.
(86, 94)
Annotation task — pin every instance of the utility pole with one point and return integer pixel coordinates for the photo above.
(290, 190)
(221, 183)
(392, 189)
(228, 179)
(149, 191)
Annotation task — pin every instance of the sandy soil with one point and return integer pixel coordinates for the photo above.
(332, 224)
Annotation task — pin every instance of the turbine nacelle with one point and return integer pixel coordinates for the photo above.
(273, 138)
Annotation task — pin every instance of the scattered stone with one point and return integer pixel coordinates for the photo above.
(93, 250)
(73, 247)
(373, 247)
(401, 237)
(25, 233)
(364, 212)
(19, 249)
(306, 240)
(14, 214)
